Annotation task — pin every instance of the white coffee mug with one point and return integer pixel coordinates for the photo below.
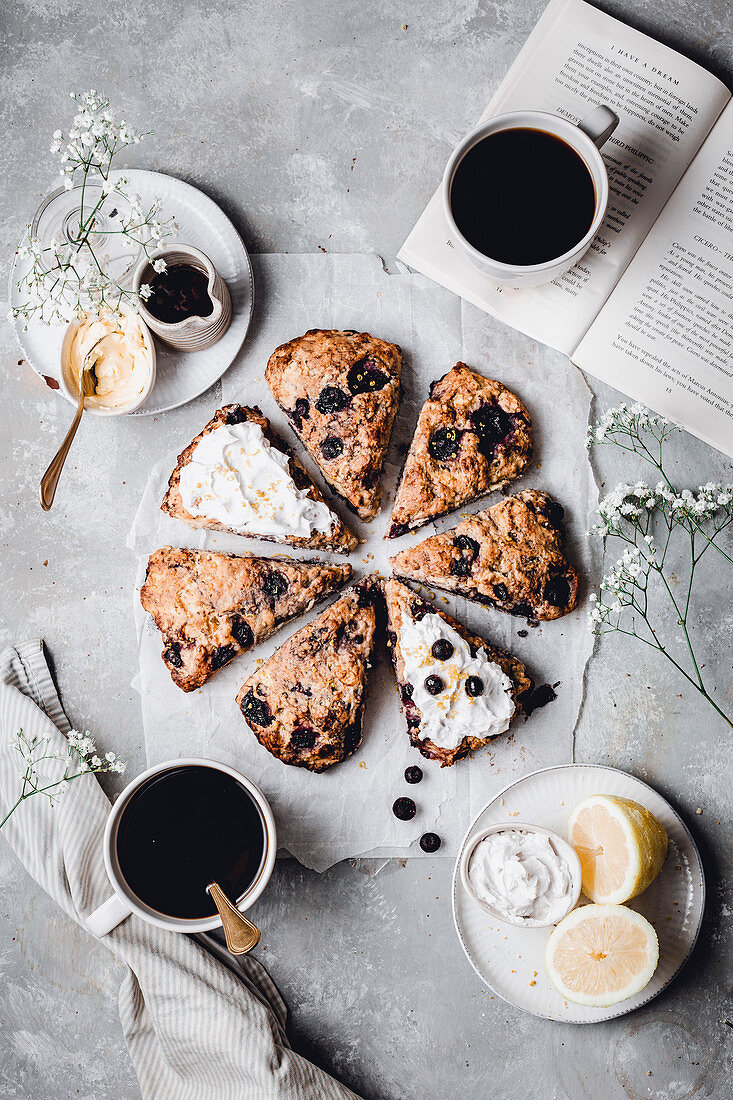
(124, 902)
(586, 139)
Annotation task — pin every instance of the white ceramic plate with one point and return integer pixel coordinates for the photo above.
(508, 959)
(181, 376)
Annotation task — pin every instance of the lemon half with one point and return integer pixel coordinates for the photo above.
(601, 954)
(620, 844)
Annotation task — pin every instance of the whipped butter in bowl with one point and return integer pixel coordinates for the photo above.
(525, 875)
(120, 347)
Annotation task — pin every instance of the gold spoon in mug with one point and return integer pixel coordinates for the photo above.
(239, 932)
(87, 386)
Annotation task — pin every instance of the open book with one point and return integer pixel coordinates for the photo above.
(649, 309)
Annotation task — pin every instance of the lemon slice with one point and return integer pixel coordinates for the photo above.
(620, 844)
(601, 954)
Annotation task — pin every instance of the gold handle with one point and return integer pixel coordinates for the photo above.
(50, 479)
(241, 935)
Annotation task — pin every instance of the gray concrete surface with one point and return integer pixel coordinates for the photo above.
(321, 126)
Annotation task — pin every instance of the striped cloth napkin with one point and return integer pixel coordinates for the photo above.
(195, 1029)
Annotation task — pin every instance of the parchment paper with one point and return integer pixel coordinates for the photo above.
(346, 811)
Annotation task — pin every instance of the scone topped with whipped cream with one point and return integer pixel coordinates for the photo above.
(340, 391)
(510, 556)
(458, 691)
(473, 435)
(237, 476)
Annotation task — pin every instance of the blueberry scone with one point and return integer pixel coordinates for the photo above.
(458, 691)
(210, 607)
(510, 556)
(237, 476)
(473, 436)
(306, 703)
(340, 391)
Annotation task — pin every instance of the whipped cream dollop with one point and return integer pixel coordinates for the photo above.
(457, 695)
(237, 478)
(119, 349)
(523, 876)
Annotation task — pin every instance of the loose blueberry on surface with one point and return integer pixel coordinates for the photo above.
(332, 447)
(255, 710)
(430, 842)
(366, 377)
(413, 774)
(242, 632)
(404, 808)
(474, 686)
(492, 425)
(434, 685)
(557, 592)
(442, 649)
(501, 591)
(173, 655)
(222, 655)
(303, 738)
(332, 400)
(274, 586)
(444, 444)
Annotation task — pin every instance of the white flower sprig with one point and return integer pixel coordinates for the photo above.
(69, 276)
(44, 770)
(647, 519)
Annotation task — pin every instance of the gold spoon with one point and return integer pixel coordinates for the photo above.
(87, 386)
(239, 932)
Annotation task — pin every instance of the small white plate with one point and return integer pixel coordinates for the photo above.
(508, 959)
(181, 376)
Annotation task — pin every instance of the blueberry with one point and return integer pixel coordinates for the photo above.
(474, 686)
(255, 710)
(434, 685)
(173, 655)
(430, 842)
(555, 513)
(274, 586)
(459, 567)
(444, 444)
(418, 610)
(332, 447)
(367, 595)
(397, 530)
(492, 425)
(413, 722)
(442, 649)
(242, 632)
(464, 542)
(413, 774)
(332, 400)
(222, 655)
(557, 592)
(404, 808)
(237, 415)
(501, 591)
(406, 693)
(352, 737)
(366, 377)
(301, 411)
(303, 738)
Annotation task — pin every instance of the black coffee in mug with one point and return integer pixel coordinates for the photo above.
(183, 829)
(523, 197)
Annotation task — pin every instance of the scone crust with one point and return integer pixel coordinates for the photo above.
(209, 607)
(431, 487)
(298, 373)
(340, 540)
(510, 556)
(305, 704)
(403, 602)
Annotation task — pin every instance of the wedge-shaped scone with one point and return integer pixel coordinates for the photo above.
(341, 391)
(510, 556)
(237, 476)
(306, 704)
(210, 607)
(458, 691)
(473, 436)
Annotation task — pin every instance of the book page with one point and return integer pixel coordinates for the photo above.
(665, 336)
(575, 59)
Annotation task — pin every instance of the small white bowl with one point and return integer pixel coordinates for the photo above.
(564, 848)
(70, 391)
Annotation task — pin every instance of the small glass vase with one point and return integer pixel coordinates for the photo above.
(99, 240)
